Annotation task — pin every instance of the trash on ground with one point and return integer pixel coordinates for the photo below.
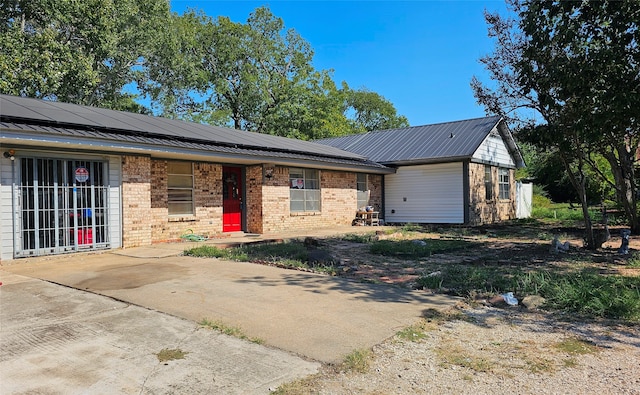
(559, 246)
(624, 247)
(190, 236)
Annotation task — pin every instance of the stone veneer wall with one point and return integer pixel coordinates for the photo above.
(206, 221)
(338, 202)
(136, 201)
(375, 192)
(482, 211)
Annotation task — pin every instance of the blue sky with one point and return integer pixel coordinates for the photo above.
(420, 55)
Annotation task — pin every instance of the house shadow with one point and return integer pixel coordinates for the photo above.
(352, 289)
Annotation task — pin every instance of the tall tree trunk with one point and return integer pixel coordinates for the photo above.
(579, 181)
(624, 176)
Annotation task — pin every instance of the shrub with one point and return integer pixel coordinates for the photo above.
(539, 201)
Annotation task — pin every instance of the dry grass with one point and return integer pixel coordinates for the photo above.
(170, 354)
(576, 346)
(228, 330)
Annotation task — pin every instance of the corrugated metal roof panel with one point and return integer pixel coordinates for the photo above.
(20, 109)
(429, 142)
(187, 144)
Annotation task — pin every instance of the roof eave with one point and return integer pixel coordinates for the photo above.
(347, 155)
(509, 140)
(426, 161)
(114, 147)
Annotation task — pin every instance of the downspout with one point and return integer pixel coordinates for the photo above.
(243, 204)
(13, 207)
(466, 190)
(121, 164)
(382, 199)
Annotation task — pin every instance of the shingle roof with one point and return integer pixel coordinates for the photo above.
(71, 120)
(428, 143)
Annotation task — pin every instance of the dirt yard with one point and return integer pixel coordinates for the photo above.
(499, 245)
(482, 347)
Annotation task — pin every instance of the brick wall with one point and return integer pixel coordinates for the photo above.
(207, 219)
(338, 202)
(146, 217)
(254, 193)
(339, 197)
(275, 201)
(136, 201)
(482, 211)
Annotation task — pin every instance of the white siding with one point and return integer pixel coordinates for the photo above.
(425, 194)
(493, 150)
(6, 210)
(6, 205)
(115, 201)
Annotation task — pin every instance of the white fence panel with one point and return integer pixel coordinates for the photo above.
(524, 200)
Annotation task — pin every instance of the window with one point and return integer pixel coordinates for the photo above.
(488, 183)
(504, 184)
(363, 190)
(304, 188)
(180, 183)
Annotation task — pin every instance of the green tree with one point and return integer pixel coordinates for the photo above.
(371, 111)
(547, 61)
(256, 76)
(83, 52)
(530, 102)
(599, 74)
(174, 80)
(546, 168)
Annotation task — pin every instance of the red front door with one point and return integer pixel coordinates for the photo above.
(231, 199)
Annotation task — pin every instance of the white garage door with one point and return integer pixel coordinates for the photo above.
(425, 194)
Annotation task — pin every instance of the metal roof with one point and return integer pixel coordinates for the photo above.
(33, 111)
(193, 146)
(419, 144)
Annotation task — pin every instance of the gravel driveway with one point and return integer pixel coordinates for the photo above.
(490, 350)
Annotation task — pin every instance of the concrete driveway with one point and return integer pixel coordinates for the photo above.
(316, 317)
(59, 340)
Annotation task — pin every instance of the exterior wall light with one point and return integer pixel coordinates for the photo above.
(10, 154)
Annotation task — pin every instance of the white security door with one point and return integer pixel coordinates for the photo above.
(61, 206)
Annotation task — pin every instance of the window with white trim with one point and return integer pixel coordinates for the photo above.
(363, 190)
(180, 188)
(504, 184)
(488, 183)
(304, 188)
